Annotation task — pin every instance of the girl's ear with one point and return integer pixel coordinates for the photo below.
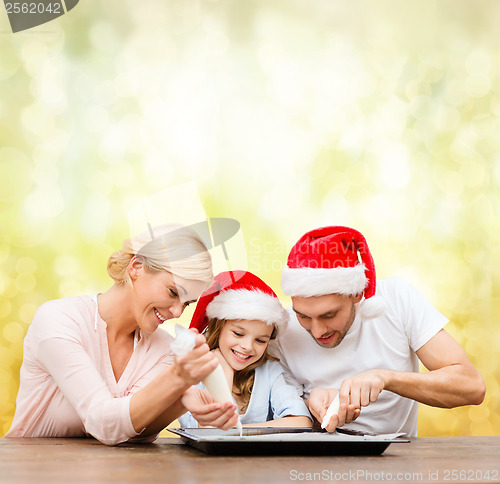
(135, 266)
(357, 298)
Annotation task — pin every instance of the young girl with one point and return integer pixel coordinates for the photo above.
(239, 315)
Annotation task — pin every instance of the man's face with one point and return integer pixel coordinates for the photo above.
(326, 318)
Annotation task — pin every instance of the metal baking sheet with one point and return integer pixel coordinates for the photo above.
(286, 441)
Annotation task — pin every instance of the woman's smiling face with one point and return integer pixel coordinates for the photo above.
(156, 297)
(243, 342)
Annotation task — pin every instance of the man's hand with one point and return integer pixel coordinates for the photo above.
(207, 411)
(318, 402)
(355, 392)
(359, 391)
(197, 364)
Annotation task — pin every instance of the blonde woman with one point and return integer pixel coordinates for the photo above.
(95, 365)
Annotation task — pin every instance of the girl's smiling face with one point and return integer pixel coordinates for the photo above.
(243, 342)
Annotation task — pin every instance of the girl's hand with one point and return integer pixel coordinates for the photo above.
(207, 411)
(197, 364)
(228, 370)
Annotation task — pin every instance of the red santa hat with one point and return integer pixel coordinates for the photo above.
(238, 295)
(333, 260)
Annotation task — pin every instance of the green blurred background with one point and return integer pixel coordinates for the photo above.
(288, 115)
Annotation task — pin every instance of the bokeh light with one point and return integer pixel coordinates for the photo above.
(288, 115)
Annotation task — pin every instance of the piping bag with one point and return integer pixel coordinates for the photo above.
(216, 382)
(333, 409)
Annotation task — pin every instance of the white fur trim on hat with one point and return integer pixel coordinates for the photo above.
(251, 305)
(310, 282)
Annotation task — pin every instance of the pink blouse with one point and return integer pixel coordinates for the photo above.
(67, 386)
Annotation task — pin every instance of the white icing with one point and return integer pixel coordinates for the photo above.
(333, 409)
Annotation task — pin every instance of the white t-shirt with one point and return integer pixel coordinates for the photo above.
(388, 341)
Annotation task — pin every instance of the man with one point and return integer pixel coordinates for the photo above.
(348, 335)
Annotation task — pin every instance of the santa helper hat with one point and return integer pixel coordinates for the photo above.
(238, 295)
(333, 260)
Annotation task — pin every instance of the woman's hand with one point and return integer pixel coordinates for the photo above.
(207, 411)
(197, 364)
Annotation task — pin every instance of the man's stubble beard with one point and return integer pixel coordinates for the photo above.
(352, 316)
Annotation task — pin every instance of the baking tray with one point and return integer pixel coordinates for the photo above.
(286, 441)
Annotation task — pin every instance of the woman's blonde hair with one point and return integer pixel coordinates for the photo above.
(173, 248)
(244, 379)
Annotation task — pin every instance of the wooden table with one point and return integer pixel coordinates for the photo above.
(443, 459)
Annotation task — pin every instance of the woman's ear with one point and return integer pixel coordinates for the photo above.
(357, 298)
(134, 267)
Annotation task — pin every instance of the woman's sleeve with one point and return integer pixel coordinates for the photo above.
(165, 361)
(160, 366)
(104, 417)
(284, 398)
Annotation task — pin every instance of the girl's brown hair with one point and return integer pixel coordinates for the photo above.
(243, 379)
